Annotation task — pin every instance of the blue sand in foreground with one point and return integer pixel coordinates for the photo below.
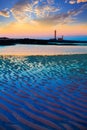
(43, 92)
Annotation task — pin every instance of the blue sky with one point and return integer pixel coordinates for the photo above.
(55, 7)
(43, 12)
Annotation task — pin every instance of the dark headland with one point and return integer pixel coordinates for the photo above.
(9, 41)
(54, 41)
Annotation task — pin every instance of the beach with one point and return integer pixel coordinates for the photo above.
(43, 92)
(43, 65)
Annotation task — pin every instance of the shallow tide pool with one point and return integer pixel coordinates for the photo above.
(43, 92)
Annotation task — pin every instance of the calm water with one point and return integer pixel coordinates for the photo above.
(80, 38)
(28, 50)
(43, 92)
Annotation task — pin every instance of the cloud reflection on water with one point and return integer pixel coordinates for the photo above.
(28, 50)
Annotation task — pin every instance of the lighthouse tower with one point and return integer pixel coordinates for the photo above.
(55, 34)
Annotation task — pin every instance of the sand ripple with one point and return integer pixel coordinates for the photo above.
(43, 92)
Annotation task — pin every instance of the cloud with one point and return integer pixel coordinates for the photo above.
(5, 13)
(51, 1)
(79, 1)
(75, 12)
(76, 1)
(72, 1)
(28, 10)
(20, 10)
(44, 12)
(62, 18)
(56, 19)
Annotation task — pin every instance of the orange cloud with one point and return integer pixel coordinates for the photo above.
(78, 1)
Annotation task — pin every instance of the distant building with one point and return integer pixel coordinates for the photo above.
(55, 37)
(60, 39)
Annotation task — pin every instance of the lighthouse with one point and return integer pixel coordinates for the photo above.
(55, 34)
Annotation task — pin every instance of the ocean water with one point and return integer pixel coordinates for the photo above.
(43, 92)
(78, 38)
(68, 37)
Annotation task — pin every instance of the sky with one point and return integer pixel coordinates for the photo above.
(39, 18)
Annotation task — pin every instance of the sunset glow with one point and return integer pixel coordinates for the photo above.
(35, 19)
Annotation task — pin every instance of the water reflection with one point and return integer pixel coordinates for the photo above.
(43, 92)
(28, 50)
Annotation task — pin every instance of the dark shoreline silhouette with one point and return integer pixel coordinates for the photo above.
(9, 41)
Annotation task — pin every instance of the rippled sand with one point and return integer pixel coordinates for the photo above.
(43, 92)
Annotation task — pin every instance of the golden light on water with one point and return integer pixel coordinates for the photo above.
(28, 50)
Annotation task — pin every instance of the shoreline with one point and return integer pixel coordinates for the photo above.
(27, 41)
(41, 55)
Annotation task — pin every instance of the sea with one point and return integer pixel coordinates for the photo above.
(78, 38)
(67, 37)
(43, 87)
